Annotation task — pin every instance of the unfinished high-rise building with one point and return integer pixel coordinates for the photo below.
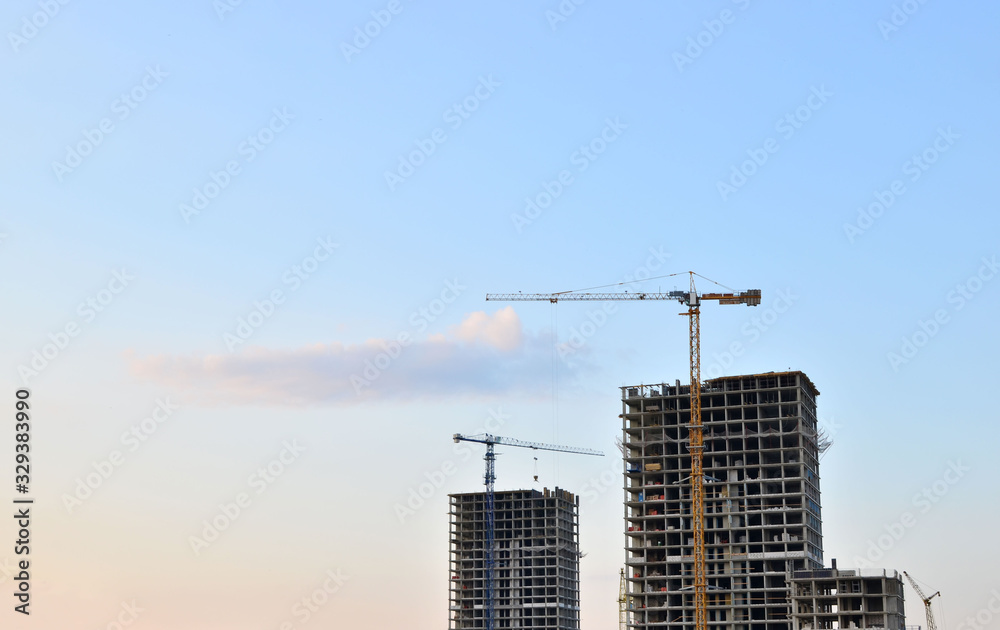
(761, 500)
(832, 598)
(537, 574)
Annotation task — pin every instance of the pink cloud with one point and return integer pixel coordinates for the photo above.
(483, 355)
(502, 331)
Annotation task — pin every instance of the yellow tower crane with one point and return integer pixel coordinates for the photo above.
(692, 299)
(622, 602)
(926, 600)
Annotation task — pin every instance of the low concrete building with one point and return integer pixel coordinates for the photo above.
(829, 599)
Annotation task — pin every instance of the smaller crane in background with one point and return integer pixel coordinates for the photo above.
(926, 600)
(622, 602)
(489, 478)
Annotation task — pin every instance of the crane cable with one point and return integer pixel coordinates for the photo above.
(554, 324)
(669, 275)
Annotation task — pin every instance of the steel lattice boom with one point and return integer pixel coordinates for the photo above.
(692, 299)
(486, 438)
(750, 298)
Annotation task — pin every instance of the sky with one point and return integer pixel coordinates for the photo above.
(245, 248)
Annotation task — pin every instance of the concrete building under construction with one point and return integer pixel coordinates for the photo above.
(832, 598)
(761, 500)
(537, 573)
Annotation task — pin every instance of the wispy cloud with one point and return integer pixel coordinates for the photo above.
(483, 355)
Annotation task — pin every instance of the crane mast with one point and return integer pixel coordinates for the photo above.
(692, 299)
(622, 602)
(489, 479)
(696, 446)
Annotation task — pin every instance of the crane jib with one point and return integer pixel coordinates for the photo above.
(750, 297)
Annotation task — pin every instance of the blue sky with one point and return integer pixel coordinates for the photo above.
(359, 204)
